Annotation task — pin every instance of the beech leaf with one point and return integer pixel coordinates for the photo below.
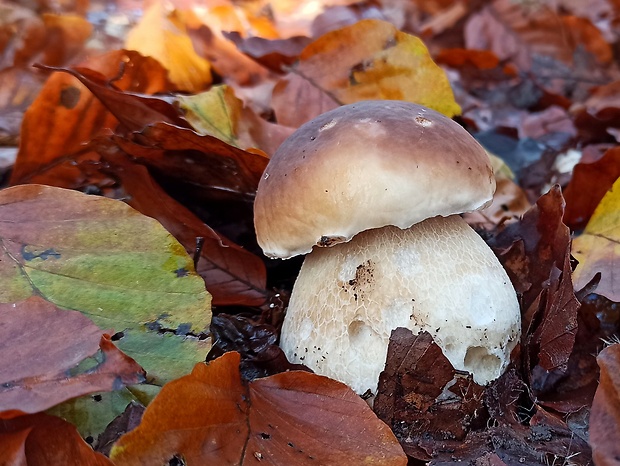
(598, 248)
(211, 417)
(66, 116)
(101, 257)
(43, 440)
(162, 35)
(50, 343)
(372, 59)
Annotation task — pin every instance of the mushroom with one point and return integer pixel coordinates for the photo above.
(372, 191)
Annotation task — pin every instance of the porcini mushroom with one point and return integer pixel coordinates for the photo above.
(372, 191)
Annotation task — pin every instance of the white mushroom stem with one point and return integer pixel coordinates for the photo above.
(438, 276)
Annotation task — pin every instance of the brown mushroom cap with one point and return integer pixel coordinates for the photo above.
(367, 165)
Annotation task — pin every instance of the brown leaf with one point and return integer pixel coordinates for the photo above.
(210, 417)
(133, 110)
(18, 89)
(370, 59)
(458, 58)
(514, 31)
(533, 247)
(254, 341)
(226, 59)
(51, 342)
(291, 90)
(605, 414)
(274, 54)
(43, 440)
(590, 182)
(65, 116)
(509, 203)
(222, 169)
(420, 397)
(555, 336)
(66, 36)
(232, 274)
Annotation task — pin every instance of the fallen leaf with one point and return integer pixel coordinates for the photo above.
(51, 343)
(18, 89)
(290, 418)
(127, 421)
(519, 32)
(23, 35)
(232, 275)
(66, 36)
(65, 116)
(218, 113)
(373, 60)
(254, 341)
(226, 59)
(103, 258)
(291, 90)
(91, 414)
(533, 247)
(550, 338)
(274, 54)
(43, 440)
(458, 58)
(408, 399)
(132, 110)
(605, 414)
(99, 256)
(598, 248)
(589, 184)
(162, 35)
(221, 169)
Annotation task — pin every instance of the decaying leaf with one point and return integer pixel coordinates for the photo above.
(211, 417)
(533, 247)
(254, 341)
(598, 248)
(41, 349)
(223, 170)
(443, 417)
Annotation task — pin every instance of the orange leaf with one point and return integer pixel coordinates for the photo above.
(65, 116)
(43, 440)
(211, 417)
(162, 35)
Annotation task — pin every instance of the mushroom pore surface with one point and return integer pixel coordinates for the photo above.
(438, 276)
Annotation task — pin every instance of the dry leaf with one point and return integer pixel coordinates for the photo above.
(42, 346)
(211, 417)
(162, 35)
(598, 248)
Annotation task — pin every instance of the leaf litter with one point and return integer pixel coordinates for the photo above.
(516, 69)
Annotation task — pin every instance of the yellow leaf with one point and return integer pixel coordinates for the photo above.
(598, 248)
(373, 60)
(161, 35)
(215, 112)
